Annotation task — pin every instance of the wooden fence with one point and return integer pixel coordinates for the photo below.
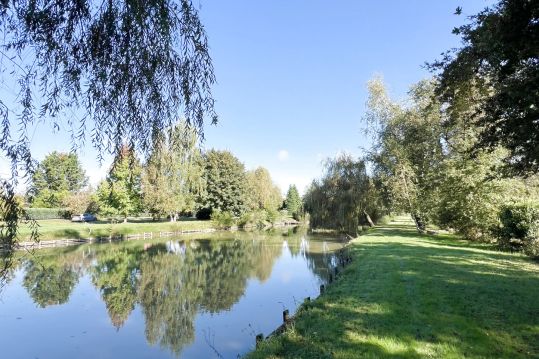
(126, 237)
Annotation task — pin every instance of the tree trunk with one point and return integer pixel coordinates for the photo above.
(368, 218)
(419, 223)
(125, 219)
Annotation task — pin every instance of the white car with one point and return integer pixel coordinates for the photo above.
(86, 217)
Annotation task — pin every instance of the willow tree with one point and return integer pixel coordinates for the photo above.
(172, 177)
(109, 71)
(344, 198)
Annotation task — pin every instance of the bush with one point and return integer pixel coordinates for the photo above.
(47, 213)
(273, 216)
(256, 219)
(519, 229)
(224, 220)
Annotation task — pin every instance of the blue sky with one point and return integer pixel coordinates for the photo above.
(292, 74)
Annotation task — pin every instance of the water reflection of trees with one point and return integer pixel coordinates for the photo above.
(319, 254)
(49, 282)
(170, 281)
(116, 275)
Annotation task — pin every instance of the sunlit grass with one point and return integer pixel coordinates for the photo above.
(407, 295)
(60, 228)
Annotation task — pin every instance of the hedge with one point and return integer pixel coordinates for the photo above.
(47, 213)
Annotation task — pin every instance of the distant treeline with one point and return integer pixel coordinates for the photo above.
(176, 179)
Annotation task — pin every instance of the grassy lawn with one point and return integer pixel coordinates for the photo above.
(407, 295)
(60, 228)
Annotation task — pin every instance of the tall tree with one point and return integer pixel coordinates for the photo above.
(407, 148)
(226, 185)
(343, 198)
(494, 76)
(120, 193)
(293, 201)
(425, 166)
(262, 193)
(56, 177)
(131, 68)
(172, 177)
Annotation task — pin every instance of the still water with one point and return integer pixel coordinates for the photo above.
(198, 296)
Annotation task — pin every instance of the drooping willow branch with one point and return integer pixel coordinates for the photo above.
(112, 71)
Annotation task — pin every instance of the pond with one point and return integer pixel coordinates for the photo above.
(195, 296)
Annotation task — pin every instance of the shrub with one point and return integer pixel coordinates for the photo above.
(256, 219)
(273, 215)
(519, 228)
(224, 220)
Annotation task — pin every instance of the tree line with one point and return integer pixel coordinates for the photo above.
(176, 179)
(460, 152)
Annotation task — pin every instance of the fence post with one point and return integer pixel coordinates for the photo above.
(285, 316)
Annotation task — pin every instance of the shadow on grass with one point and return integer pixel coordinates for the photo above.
(411, 296)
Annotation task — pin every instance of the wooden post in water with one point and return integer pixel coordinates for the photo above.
(259, 339)
(285, 316)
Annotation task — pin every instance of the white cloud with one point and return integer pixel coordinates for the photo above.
(283, 155)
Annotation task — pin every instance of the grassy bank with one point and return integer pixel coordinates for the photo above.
(407, 295)
(60, 228)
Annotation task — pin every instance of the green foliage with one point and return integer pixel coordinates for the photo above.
(293, 202)
(130, 68)
(120, 193)
(519, 229)
(344, 196)
(56, 178)
(225, 183)
(223, 220)
(47, 213)
(469, 194)
(257, 219)
(262, 193)
(423, 166)
(273, 216)
(79, 203)
(172, 176)
(407, 148)
(493, 78)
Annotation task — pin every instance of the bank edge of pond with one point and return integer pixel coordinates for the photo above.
(411, 295)
(208, 227)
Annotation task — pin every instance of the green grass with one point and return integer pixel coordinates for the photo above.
(60, 228)
(407, 295)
